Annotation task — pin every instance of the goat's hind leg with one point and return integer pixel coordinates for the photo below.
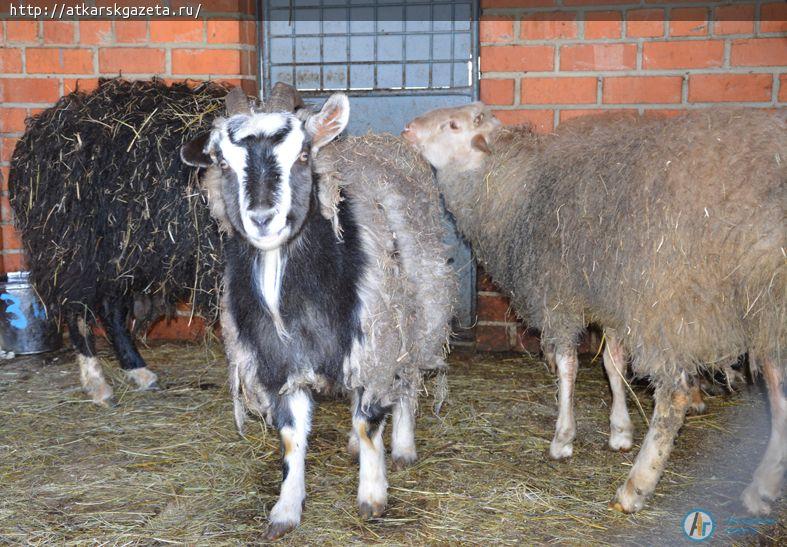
(403, 451)
(90, 373)
(368, 423)
(113, 316)
(668, 415)
(767, 482)
(292, 416)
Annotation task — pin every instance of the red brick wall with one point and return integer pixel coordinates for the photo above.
(546, 61)
(42, 60)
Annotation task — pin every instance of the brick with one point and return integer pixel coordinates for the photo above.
(729, 87)
(10, 60)
(59, 61)
(645, 23)
(225, 32)
(759, 52)
(14, 262)
(12, 120)
(28, 90)
(59, 32)
(783, 88)
(598, 57)
(4, 173)
(526, 340)
(548, 26)
(177, 328)
(517, 3)
(688, 22)
(603, 24)
(517, 58)
(206, 61)
(773, 17)
(492, 338)
(558, 90)
(735, 19)
(22, 31)
(176, 31)
(642, 89)
(662, 112)
(93, 32)
(496, 29)
(79, 84)
(8, 148)
(682, 54)
(131, 60)
(500, 92)
(594, 3)
(494, 308)
(10, 238)
(540, 120)
(131, 32)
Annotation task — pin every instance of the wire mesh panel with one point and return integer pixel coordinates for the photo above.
(394, 58)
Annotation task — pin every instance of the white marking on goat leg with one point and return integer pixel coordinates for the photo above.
(93, 381)
(403, 451)
(144, 378)
(565, 429)
(621, 430)
(767, 482)
(668, 415)
(372, 484)
(286, 514)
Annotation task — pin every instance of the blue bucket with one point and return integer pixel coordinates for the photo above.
(25, 328)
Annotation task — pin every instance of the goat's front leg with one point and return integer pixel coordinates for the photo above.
(403, 451)
(562, 444)
(368, 425)
(671, 405)
(621, 430)
(292, 415)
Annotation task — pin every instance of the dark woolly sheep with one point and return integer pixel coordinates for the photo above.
(670, 231)
(111, 219)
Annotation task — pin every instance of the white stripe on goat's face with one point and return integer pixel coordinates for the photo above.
(272, 176)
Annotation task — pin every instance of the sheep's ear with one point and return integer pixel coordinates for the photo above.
(479, 143)
(194, 152)
(329, 122)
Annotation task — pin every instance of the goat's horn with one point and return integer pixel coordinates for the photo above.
(284, 98)
(236, 102)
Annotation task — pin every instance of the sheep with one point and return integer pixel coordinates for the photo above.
(670, 231)
(336, 278)
(111, 221)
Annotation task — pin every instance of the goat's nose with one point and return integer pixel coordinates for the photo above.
(261, 219)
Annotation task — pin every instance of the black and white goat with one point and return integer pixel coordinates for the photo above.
(325, 292)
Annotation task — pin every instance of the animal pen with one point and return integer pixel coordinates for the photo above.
(168, 465)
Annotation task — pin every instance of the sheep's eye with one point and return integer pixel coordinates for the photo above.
(454, 125)
(223, 164)
(304, 156)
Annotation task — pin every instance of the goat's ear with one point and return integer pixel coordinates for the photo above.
(479, 143)
(193, 153)
(330, 121)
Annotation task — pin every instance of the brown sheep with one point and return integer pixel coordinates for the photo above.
(670, 231)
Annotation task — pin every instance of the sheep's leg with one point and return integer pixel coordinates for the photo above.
(565, 430)
(403, 451)
(368, 424)
(292, 415)
(767, 482)
(113, 316)
(621, 430)
(668, 415)
(90, 373)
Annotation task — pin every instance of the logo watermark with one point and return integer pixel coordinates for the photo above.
(698, 525)
(739, 526)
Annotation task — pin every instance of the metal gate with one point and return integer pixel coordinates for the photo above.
(394, 58)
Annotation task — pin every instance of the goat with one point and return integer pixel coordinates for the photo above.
(110, 220)
(670, 231)
(331, 247)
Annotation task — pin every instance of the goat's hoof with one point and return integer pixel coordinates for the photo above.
(559, 452)
(403, 461)
(152, 387)
(109, 402)
(616, 506)
(276, 530)
(628, 499)
(146, 379)
(755, 502)
(697, 407)
(620, 443)
(371, 510)
(353, 449)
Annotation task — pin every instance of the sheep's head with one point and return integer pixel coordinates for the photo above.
(456, 137)
(265, 159)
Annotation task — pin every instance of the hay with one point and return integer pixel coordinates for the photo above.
(106, 208)
(168, 467)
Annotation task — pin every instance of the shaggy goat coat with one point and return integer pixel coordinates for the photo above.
(671, 231)
(104, 205)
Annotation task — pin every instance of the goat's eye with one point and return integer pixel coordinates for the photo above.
(304, 156)
(223, 164)
(454, 125)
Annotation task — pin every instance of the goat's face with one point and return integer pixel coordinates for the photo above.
(455, 137)
(265, 163)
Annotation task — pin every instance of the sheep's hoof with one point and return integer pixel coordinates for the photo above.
(629, 499)
(616, 506)
(620, 442)
(754, 501)
(403, 461)
(109, 402)
(560, 452)
(371, 510)
(276, 530)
